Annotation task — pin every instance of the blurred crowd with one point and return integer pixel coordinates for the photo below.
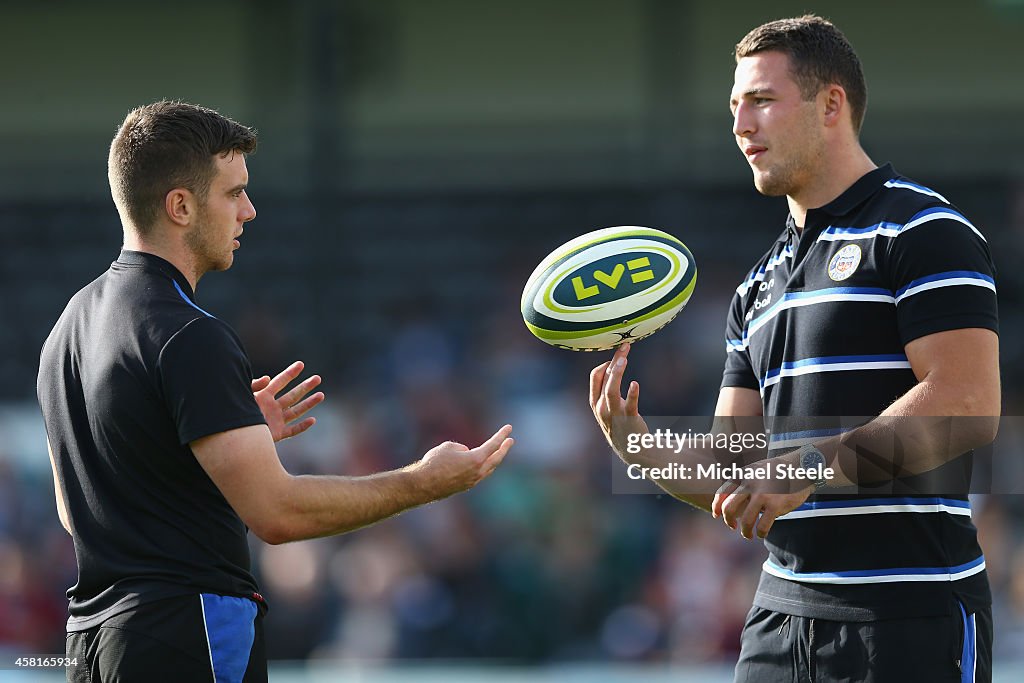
(542, 563)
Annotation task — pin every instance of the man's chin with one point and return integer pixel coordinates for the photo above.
(224, 263)
(768, 187)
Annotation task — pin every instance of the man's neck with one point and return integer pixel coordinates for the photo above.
(830, 182)
(177, 255)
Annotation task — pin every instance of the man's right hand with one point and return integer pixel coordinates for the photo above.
(617, 416)
(450, 467)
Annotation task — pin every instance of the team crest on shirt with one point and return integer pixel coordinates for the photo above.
(844, 263)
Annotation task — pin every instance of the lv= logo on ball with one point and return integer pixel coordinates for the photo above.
(607, 286)
(612, 281)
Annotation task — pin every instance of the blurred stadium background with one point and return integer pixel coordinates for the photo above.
(416, 160)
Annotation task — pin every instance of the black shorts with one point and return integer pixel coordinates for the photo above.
(779, 648)
(190, 638)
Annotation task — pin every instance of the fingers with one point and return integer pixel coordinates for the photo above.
(487, 448)
(766, 522)
(747, 513)
(734, 505)
(493, 451)
(754, 508)
(759, 515)
(296, 394)
(286, 377)
(301, 409)
(596, 382)
(612, 392)
(291, 405)
(606, 384)
(297, 428)
(495, 458)
(633, 399)
(720, 495)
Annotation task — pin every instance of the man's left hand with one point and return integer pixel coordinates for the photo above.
(282, 412)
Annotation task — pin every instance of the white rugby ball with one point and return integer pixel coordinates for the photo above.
(607, 287)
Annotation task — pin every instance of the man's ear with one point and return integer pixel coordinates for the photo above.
(834, 104)
(180, 206)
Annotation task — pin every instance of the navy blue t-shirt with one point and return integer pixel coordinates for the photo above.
(133, 371)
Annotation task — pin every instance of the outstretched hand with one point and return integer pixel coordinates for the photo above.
(617, 416)
(282, 412)
(452, 467)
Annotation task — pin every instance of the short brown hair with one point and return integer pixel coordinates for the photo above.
(165, 145)
(819, 54)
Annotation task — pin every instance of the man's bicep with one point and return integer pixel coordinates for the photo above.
(963, 362)
(738, 402)
(244, 465)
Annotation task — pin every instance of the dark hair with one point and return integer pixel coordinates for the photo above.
(819, 54)
(165, 145)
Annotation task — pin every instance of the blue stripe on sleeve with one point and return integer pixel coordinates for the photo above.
(950, 275)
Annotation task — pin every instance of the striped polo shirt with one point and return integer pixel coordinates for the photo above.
(819, 327)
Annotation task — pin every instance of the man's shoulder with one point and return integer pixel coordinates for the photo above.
(905, 211)
(202, 335)
(79, 307)
(200, 329)
(900, 199)
(160, 305)
(137, 306)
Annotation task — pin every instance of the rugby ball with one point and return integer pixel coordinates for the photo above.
(607, 287)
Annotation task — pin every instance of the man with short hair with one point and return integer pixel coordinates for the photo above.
(162, 444)
(878, 299)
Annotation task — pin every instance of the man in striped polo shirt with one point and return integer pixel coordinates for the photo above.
(878, 299)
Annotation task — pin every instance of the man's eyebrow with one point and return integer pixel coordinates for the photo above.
(754, 92)
(238, 188)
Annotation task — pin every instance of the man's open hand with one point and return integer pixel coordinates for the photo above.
(282, 412)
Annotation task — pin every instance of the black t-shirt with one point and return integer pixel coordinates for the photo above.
(133, 371)
(819, 328)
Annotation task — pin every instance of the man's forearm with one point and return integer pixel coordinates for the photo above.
(907, 439)
(314, 505)
(889, 448)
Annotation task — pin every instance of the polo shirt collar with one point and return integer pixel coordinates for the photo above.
(141, 258)
(865, 186)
